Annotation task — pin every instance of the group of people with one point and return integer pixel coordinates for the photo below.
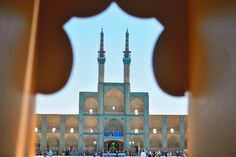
(49, 152)
(149, 153)
(164, 153)
(73, 152)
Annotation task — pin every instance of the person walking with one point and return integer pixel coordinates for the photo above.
(50, 153)
(143, 154)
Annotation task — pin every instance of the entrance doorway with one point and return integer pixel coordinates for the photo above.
(113, 146)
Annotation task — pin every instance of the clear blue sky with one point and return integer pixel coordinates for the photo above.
(84, 37)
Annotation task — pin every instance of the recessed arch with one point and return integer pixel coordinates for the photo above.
(173, 142)
(138, 141)
(137, 123)
(155, 142)
(91, 103)
(137, 104)
(71, 140)
(89, 143)
(53, 141)
(90, 123)
(114, 100)
(71, 122)
(53, 121)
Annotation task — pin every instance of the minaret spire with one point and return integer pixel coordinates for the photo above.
(126, 58)
(101, 58)
(126, 52)
(101, 51)
(127, 40)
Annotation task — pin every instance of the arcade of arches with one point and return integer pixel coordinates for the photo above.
(58, 139)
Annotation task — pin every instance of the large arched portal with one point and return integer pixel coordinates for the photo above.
(113, 136)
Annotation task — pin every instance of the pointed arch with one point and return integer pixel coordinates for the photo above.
(90, 123)
(156, 142)
(71, 122)
(172, 142)
(137, 123)
(71, 140)
(114, 98)
(89, 143)
(137, 103)
(53, 121)
(53, 140)
(91, 103)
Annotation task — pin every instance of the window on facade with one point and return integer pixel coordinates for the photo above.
(172, 130)
(54, 129)
(136, 111)
(154, 131)
(71, 130)
(135, 131)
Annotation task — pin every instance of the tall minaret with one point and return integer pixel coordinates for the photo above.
(126, 61)
(101, 59)
(126, 58)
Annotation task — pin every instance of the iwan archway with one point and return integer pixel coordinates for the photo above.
(113, 136)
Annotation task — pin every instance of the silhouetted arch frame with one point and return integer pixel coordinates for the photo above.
(170, 56)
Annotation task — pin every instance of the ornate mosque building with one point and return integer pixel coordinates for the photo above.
(113, 118)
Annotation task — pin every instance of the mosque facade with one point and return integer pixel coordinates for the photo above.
(112, 118)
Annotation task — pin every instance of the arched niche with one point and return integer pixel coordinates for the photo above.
(173, 122)
(53, 141)
(155, 122)
(138, 141)
(173, 142)
(91, 103)
(71, 122)
(89, 143)
(114, 101)
(137, 123)
(90, 123)
(155, 142)
(137, 104)
(53, 121)
(71, 140)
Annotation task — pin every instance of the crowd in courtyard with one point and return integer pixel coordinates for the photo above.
(73, 152)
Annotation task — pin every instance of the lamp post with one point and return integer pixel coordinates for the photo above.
(131, 143)
(95, 148)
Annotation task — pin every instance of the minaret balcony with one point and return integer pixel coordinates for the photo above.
(101, 60)
(126, 60)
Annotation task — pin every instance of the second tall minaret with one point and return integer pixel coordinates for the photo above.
(127, 59)
(101, 58)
